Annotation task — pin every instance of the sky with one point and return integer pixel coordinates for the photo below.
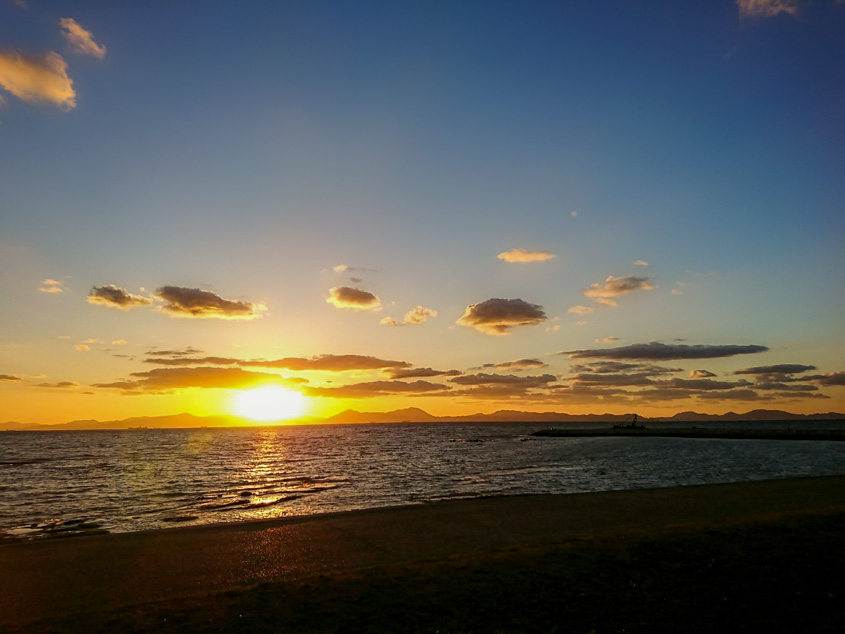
(583, 207)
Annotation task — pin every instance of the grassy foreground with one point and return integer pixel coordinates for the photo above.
(774, 574)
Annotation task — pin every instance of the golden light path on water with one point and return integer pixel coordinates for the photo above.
(269, 403)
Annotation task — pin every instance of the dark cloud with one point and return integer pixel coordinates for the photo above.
(9, 377)
(413, 373)
(377, 388)
(519, 364)
(497, 316)
(195, 303)
(783, 368)
(619, 380)
(834, 378)
(615, 286)
(174, 353)
(180, 361)
(700, 374)
(331, 363)
(354, 298)
(504, 379)
(663, 352)
(733, 395)
(606, 367)
(785, 387)
(700, 384)
(116, 297)
(60, 385)
(161, 379)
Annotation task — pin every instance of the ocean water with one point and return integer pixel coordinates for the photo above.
(55, 483)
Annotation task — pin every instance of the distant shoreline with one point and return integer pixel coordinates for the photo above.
(693, 432)
(418, 416)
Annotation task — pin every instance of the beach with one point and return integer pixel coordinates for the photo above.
(636, 560)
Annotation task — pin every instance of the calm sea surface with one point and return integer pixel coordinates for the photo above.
(134, 480)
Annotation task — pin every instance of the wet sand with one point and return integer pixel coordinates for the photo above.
(635, 560)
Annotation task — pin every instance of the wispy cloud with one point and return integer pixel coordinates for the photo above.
(194, 303)
(417, 373)
(580, 310)
(110, 295)
(640, 263)
(61, 385)
(377, 388)
(656, 351)
(80, 40)
(782, 368)
(185, 361)
(331, 363)
(168, 379)
(10, 377)
(524, 255)
(51, 286)
(767, 8)
(37, 79)
(353, 298)
(174, 353)
(519, 364)
(497, 316)
(504, 379)
(607, 340)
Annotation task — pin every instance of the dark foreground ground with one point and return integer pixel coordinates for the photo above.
(761, 571)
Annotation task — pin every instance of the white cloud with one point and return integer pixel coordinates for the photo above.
(580, 310)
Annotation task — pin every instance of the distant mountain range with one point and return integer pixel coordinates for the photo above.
(413, 415)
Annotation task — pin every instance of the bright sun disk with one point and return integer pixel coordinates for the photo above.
(269, 403)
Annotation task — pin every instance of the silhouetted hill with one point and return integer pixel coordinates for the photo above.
(753, 415)
(408, 415)
(411, 415)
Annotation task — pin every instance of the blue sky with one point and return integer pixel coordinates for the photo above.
(247, 151)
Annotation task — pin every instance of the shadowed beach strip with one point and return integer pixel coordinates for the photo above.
(312, 571)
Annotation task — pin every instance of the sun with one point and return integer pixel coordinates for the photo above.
(268, 403)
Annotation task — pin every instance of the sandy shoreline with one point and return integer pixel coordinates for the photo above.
(80, 577)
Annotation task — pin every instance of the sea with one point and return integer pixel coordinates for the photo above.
(57, 483)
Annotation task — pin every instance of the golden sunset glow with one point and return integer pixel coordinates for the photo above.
(269, 403)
